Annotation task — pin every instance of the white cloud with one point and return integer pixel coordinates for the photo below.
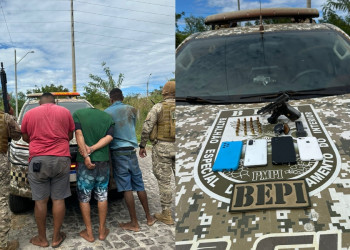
(126, 35)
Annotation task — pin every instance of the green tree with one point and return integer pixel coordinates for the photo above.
(192, 25)
(97, 98)
(178, 16)
(195, 24)
(341, 5)
(47, 88)
(97, 91)
(330, 16)
(143, 105)
(156, 95)
(179, 36)
(106, 85)
(21, 99)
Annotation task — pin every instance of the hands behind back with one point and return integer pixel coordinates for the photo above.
(88, 163)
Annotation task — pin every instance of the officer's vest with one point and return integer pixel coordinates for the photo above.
(3, 134)
(166, 123)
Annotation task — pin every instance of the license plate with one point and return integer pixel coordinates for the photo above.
(73, 176)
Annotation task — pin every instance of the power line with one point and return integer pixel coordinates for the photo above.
(26, 10)
(113, 7)
(121, 38)
(151, 3)
(101, 45)
(93, 34)
(53, 41)
(211, 13)
(6, 24)
(147, 12)
(130, 1)
(92, 24)
(191, 12)
(93, 13)
(108, 6)
(87, 12)
(42, 22)
(113, 46)
(113, 27)
(19, 32)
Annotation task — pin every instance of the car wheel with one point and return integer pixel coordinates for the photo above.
(113, 194)
(20, 204)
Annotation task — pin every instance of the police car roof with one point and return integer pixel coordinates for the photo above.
(266, 13)
(68, 94)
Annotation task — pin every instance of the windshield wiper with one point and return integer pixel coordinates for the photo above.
(196, 99)
(314, 92)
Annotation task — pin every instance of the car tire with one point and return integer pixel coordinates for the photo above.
(113, 194)
(20, 204)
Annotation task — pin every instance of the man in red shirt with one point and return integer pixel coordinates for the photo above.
(48, 130)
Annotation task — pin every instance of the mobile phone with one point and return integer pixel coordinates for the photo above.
(309, 149)
(229, 156)
(36, 167)
(283, 151)
(255, 153)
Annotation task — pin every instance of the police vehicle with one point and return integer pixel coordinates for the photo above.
(225, 80)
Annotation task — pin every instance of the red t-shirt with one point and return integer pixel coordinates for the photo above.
(47, 127)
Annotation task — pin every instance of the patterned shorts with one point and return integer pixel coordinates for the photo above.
(96, 180)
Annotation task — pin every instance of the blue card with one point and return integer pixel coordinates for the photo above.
(229, 156)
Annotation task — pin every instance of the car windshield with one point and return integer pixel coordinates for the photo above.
(236, 66)
(71, 106)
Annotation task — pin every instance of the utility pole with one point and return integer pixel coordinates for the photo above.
(74, 77)
(239, 8)
(148, 82)
(16, 94)
(308, 3)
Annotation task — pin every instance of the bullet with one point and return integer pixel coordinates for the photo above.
(259, 125)
(237, 127)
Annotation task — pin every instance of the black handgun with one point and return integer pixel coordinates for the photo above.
(280, 107)
(4, 89)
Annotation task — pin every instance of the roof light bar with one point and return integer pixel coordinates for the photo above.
(254, 14)
(54, 94)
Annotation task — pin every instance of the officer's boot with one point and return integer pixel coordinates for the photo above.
(165, 217)
(11, 245)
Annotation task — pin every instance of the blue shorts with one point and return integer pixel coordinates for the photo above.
(126, 171)
(96, 180)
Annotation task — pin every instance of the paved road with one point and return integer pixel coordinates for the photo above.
(159, 236)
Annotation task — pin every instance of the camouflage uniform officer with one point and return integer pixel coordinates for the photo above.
(159, 127)
(8, 129)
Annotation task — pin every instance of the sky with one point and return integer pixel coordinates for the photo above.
(134, 37)
(210, 7)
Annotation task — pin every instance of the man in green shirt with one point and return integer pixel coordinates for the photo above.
(93, 132)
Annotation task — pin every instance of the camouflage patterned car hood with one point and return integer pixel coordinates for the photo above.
(202, 198)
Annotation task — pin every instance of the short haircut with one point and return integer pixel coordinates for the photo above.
(49, 98)
(116, 94)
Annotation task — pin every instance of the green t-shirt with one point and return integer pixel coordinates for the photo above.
(94, 125)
